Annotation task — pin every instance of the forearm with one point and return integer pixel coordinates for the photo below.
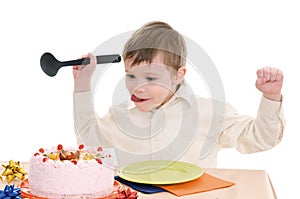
(89, 128)
(83, 112)
(248, 134)
(265, 131)
(82, 85)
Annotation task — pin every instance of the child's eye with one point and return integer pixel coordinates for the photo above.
(130, 76)
(151, 78)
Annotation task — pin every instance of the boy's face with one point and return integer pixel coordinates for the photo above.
(150, 85)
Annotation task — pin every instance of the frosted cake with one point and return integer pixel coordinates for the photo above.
(69, 172)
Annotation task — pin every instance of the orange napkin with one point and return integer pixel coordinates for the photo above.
(204, 183)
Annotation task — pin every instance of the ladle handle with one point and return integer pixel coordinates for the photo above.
(101, 59)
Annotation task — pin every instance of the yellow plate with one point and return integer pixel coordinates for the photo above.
(160, 172)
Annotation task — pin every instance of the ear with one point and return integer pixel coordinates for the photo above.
(179, 77)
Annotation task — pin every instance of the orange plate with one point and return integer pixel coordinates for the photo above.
(25, 191)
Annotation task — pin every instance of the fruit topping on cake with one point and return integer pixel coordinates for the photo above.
(72, 155)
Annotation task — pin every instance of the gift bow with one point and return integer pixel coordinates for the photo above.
(127, 194)
(10, 192)
(13, 170)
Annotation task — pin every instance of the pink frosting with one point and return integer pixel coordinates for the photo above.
(54, 178)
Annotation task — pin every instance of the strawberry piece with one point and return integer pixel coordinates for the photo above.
(81, 146)
(99, 160)
(74, 162)
(99, 148)
(36, 154)
(69, 157)
(59, 147)
(45, 159)
(41, 150)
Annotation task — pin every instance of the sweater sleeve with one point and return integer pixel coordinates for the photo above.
(89, 128)
(249, 135)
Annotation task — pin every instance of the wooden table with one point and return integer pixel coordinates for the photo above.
(249, 184)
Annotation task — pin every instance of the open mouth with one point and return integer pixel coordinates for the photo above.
(136, 99)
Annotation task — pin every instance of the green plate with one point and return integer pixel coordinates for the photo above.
(160, 172)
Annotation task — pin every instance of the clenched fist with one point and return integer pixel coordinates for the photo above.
(269, 82)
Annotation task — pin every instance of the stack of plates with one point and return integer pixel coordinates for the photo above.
(160, 172)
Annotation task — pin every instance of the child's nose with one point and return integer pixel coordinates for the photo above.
(140, 84)
(140, 89)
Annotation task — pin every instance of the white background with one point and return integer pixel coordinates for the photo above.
(239, 36)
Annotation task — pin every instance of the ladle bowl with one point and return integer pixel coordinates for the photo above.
(50, 65)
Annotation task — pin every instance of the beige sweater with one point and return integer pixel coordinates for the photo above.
(187, 128)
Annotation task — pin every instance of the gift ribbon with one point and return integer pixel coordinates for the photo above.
(10, 192)
(13, 170)
(127, 194)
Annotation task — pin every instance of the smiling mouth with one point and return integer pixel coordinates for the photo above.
(136, 99)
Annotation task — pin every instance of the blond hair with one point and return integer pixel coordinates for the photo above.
(156, 38)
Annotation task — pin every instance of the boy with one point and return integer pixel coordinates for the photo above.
(164, 119)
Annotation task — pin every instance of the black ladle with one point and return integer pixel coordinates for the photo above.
(50, 65)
